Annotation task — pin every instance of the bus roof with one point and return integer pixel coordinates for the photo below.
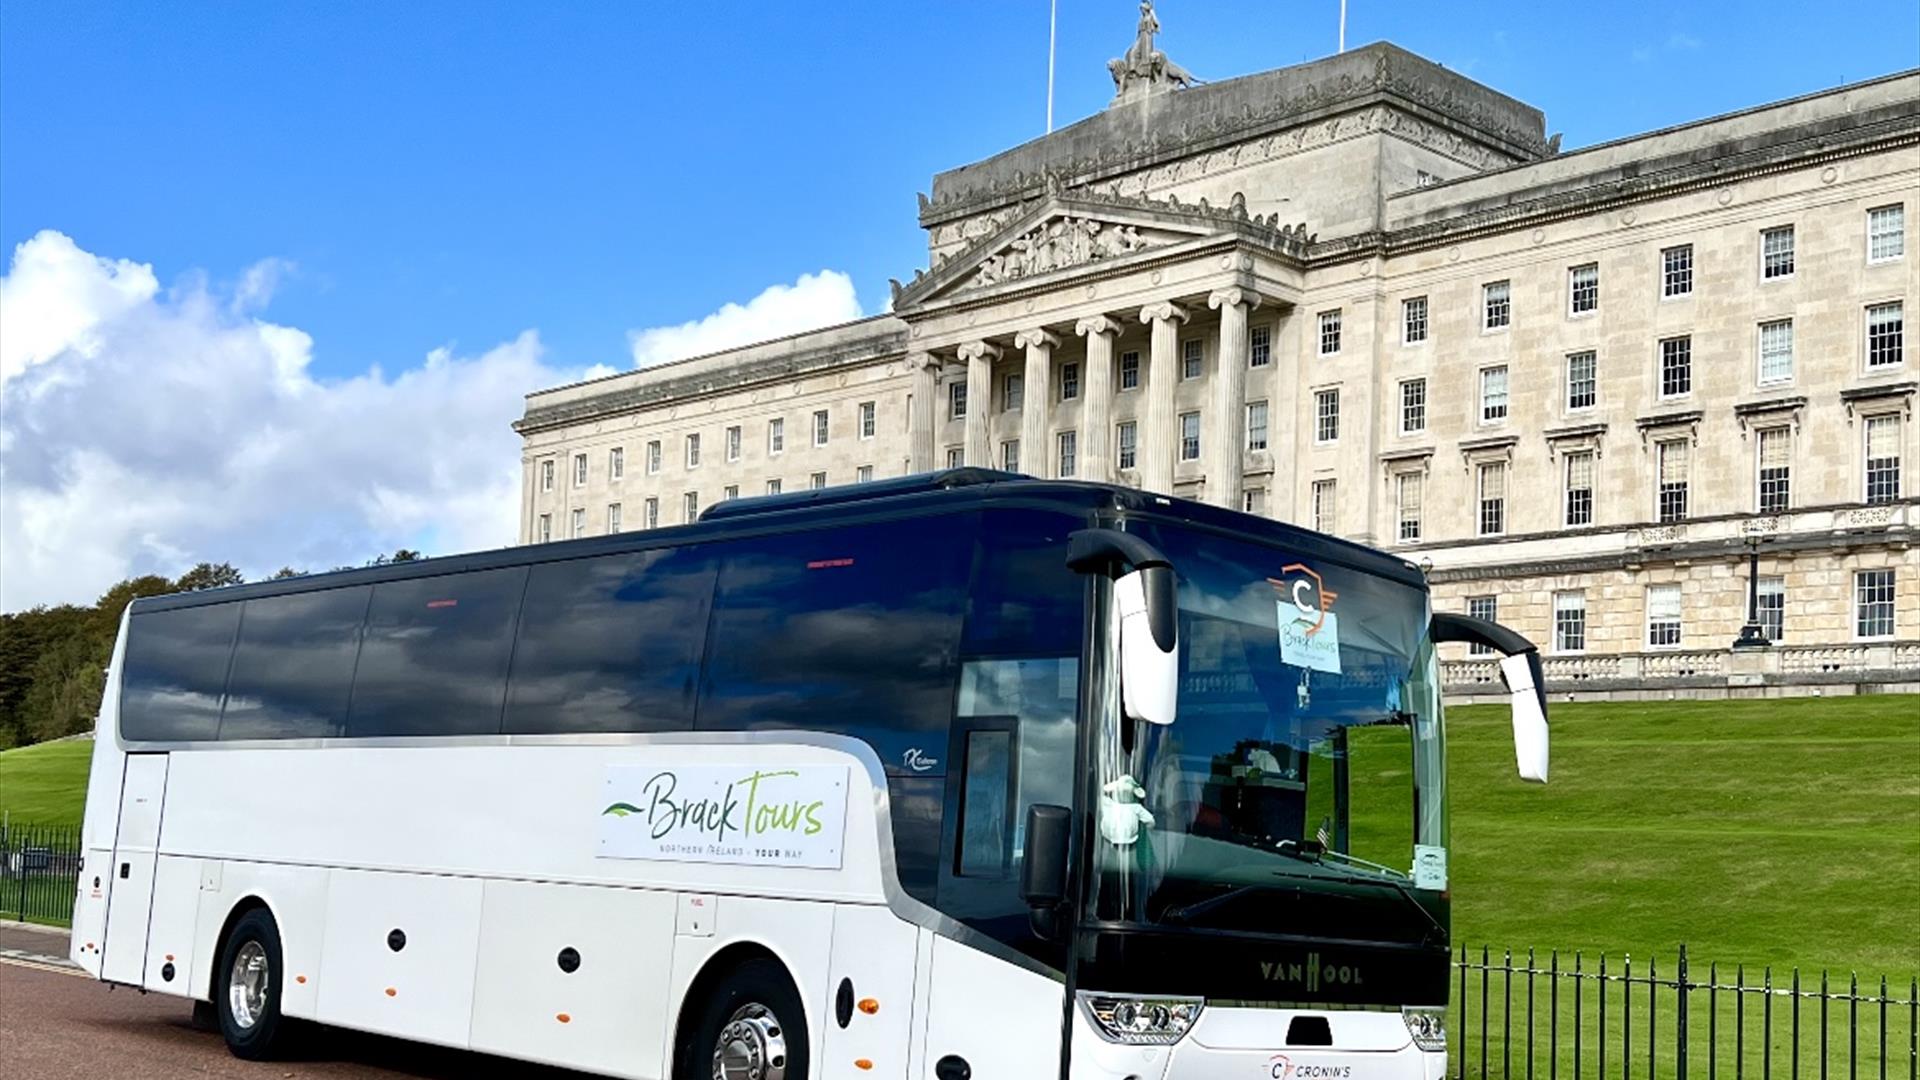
(921, 494)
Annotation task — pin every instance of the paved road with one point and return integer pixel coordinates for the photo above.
(56, 1024)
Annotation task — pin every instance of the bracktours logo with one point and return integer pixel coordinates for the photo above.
(748, 807)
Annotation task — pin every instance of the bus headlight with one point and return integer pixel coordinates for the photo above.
(1142, 1021)
(1428, 1026)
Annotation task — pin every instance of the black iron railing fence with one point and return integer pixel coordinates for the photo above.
(38, 868)
(1583, 1018)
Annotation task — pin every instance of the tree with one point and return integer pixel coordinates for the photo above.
(286, 572)
(209, 576)
(407, 555)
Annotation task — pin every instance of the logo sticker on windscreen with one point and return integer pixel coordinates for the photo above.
(1308, 626)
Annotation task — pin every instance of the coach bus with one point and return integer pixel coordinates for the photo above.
(965, 774)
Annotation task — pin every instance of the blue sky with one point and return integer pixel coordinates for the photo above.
(277, 275)
(460, 172)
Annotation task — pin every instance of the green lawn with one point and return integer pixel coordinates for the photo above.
(45, 784)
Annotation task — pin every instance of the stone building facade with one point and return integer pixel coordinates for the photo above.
(1585, 389)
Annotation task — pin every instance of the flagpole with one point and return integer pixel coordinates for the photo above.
(1343, 42)
(1053, 33)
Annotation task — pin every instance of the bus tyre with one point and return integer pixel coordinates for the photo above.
(750, 1027)
(246, 987)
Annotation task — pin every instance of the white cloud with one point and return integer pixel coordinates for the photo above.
(147, 430)
(815, 300)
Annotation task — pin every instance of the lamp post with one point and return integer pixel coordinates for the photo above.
(1752, 635)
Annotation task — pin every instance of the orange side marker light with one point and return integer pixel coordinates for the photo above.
(391, 992)
(563, 1018)
(301, 979)
(862, 1064)
(169, 958)
(869, 1006)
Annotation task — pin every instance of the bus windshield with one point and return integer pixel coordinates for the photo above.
(1301, 788)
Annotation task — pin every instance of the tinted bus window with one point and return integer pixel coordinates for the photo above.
(611, 644)
(852, 629)
(293, 666)
(434, 659)
(1025, 602)
(176, 672)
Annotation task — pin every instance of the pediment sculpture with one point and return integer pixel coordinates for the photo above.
(1062, 243)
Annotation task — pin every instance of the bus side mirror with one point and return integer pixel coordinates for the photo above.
(1526, 686)
(1149, 644)
(1043, 870)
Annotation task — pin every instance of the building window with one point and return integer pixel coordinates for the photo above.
(956, 400)
(956, 457)
(730, 492)
(863, 474)
(732, 441)
(1407, 492)
(1482, 607)
(1776, 352)
(579, 470)
(1326, 416)
(693, 451)
(579, 524)
(1254, 500)
(1873, 603)
(1259, 346)
(690, 506)
(1774, 470)
(1676, 271)
(1776, 253)
(650, 514)
(617, 463)
(1770, 607)
(1324, 492)
(1583, 289)
(1676, 367)
(1663, 616)
(613, 517)
(1126, 439)
(1190, 359)
(1570, 622)
(1013, 391)
(1069, 381)
(776, 436)
(1579, 500)
(1493, 395)
(1413, 320)
(1413, 406)
(1256, 425)
(817, 481)
(1130, 370)
(820, 427)
(653, 457)
(1497, 306)
(1672, 467)
(1883, 458)
(546, 475)
(1582, 384)
(1886, 233)
(868, 419)
(1068, 454)
(1886, 333)
(543, 532)
(1493, 498)
(1010, 455)
(1329, 332)
(773, 487)
(1190, 436)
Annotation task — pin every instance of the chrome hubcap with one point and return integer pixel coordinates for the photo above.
(247, 985)
(751, 1046)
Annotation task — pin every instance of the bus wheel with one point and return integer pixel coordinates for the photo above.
(246, 989)
(751, 1027)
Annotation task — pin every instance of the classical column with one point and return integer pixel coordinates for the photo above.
(1036, 401)
(1227, 423)
(1157, 435)
(1096, 398)
(979, 357)
(925, 372)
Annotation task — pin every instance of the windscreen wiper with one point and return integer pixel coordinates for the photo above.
(1362, 879)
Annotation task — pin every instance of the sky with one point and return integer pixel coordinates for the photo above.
(276, 277)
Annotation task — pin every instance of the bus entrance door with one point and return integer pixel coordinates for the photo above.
(136, 847)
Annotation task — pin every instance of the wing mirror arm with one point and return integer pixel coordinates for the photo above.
(1147, 610)
(1526, 686)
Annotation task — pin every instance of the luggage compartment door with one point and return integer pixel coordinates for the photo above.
(129, 875)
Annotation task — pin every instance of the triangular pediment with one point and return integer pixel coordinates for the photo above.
(1058, 237)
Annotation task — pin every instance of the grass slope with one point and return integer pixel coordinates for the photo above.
(45, 784)
(1758, 832)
